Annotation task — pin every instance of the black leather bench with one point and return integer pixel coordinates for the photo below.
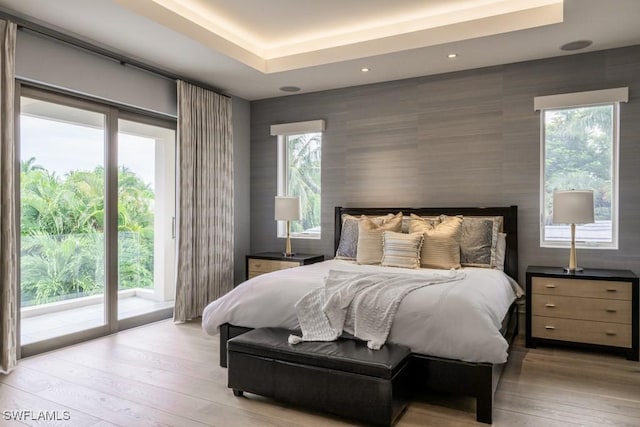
(341, 377)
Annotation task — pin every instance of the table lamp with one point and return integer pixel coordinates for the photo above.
(573, 207)
(287, 209)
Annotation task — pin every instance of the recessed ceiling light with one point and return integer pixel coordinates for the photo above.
(577, 45)
(290, 88)
(364, 70)
(452, 55)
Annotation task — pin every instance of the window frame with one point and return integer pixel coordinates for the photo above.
(607, 97)
(165, 216)
(283, 132)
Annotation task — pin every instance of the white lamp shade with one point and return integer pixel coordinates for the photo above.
(287, 208)
(573, 207)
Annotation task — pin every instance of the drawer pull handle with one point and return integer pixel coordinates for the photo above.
(611, 310)
(549, 327)
(611, 334)
(612, 290)
(550, 286)
(550, 305)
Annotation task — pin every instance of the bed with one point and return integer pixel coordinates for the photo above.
(454, 370)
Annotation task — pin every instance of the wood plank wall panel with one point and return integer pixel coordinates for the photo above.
(465, 138)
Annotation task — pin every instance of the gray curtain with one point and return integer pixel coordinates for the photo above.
(8, 221)
(205, 200)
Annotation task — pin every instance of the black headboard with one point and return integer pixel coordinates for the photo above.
(508, 213)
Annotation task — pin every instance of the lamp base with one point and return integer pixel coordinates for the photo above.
(288, 254)
(573, 270)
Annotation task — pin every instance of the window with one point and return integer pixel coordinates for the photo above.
(299, 173)
(579, 150)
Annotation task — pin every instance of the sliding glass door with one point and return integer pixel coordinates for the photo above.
(146, 206)
(97, 203)
(62, 184)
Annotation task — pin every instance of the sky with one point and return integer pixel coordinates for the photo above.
(63, 147)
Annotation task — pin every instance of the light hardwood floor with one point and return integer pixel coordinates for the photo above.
(168, 375)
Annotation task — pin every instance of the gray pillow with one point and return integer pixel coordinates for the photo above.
(479, 241)
(348, 246)
(406, 221)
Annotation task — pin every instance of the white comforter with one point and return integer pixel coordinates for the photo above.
(457, 320)
(361, 304)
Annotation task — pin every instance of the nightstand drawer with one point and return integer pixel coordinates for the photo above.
(596, 309)
(582, 288)
(266, 262)
(611, 334)
(268, 265)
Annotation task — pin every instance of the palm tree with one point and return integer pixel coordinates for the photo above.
(303, 180)
(29, 165)
(62, 232)
(135, 231)
(578, 154)
(58, 267)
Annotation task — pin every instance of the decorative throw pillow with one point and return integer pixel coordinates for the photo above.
(401, 250)
(406, 221)
(441, 246)
(501, 249)
(370, 238)
(348, 246)
(479, 240)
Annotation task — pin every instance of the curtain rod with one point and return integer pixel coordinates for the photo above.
(24, 24)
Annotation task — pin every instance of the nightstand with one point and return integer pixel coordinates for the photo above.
(265, 262)
(593, 308)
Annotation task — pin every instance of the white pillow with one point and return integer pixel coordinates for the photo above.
(401, 249)
(501, 249)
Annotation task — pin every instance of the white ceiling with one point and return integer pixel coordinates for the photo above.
(250, 48)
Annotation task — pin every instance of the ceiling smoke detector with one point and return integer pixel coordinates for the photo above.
(577, 45)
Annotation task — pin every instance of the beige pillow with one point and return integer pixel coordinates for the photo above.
(401, 249)
(370, 238)
(441, 246)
